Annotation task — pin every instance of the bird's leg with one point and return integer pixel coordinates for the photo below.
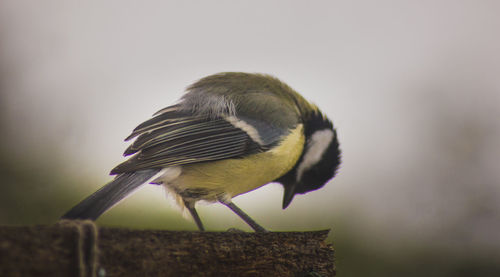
(244, 216)
(194, 214)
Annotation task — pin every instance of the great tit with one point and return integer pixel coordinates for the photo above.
(229, 134)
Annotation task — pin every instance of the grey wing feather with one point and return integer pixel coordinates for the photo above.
(177, 137)
(268, 133)
(112, 193)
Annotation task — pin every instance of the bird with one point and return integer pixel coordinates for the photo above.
(229, 134)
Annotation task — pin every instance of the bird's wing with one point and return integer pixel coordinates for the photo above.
(177, 137)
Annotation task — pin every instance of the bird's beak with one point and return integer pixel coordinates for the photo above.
(288, 195)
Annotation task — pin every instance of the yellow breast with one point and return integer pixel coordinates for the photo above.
(231, 177)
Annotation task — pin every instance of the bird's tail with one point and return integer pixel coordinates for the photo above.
(112, 193)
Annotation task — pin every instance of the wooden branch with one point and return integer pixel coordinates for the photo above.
(79, 248)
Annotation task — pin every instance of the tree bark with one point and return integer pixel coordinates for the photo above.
(79, 248)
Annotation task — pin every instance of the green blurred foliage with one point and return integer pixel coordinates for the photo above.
(35, 192)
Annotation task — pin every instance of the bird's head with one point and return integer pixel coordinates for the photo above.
(319, 161)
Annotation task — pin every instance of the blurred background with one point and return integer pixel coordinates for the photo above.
(413, 88)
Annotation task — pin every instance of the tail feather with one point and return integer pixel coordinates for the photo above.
(112, 193)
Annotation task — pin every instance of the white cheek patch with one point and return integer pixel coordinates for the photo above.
(317, 145)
